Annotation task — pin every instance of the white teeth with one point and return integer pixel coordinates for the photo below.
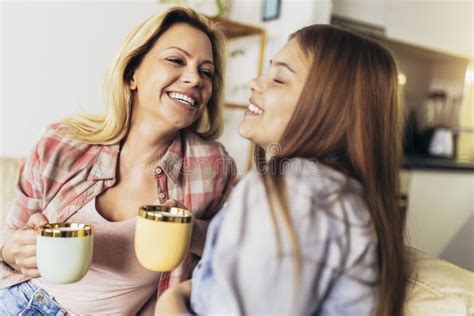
(182, 98)
(255, 109)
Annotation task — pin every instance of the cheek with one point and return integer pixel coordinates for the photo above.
(207, 92)
(277, 117)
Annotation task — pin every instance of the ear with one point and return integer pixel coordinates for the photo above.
(132, 84)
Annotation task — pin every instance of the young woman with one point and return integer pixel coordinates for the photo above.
(163, 96)
(316, 228)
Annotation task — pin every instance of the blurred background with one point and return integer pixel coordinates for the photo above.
(54, 56)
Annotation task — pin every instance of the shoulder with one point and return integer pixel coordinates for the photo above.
(313, 190)
(310, 177)
(56, 145)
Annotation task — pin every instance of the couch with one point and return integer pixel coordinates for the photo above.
(437, 287)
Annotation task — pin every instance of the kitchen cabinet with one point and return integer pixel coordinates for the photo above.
(440, 217)
(445, 26)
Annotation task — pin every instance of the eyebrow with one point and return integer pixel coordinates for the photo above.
(189, 55)
(282, 64)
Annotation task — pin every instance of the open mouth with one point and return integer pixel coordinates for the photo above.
(255, 109)
(182, 98)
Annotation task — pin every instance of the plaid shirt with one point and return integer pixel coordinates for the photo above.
(62, 175)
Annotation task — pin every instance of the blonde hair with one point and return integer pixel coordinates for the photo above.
(349, 117)
(112, 126)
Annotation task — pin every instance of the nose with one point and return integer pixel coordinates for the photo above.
(255, 85)
(192, 77)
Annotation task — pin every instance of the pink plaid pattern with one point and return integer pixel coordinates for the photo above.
(61, 175)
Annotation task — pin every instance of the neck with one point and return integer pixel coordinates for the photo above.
(146, 142)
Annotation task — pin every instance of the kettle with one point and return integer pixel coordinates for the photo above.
(442, 143)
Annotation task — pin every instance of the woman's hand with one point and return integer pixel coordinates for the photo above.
(174, 203)
(19, 251)
(198, 237)
(175, 300)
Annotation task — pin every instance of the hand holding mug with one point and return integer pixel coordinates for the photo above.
(174, 203)
(20, 251)
(64, 251)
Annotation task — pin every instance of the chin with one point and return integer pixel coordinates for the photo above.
(245, 131)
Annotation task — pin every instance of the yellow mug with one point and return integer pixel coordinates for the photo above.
(162, 236)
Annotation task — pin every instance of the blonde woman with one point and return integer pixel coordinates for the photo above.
(316, 228)
(153, 143)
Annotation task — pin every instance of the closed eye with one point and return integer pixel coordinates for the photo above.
(278, 81)
(175, 60)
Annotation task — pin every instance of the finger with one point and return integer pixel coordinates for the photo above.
(28, 263)
(25, 237)
(171, 203)
(22, 256)
(174, 203)
(31, 273)
(25, 251)
(36, 220)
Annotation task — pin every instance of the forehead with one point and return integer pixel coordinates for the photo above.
(187, 37)
(294, 56)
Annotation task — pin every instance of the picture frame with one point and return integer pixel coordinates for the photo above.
(271, 10)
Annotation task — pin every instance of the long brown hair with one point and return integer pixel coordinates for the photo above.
(348, 117)
(112, 126)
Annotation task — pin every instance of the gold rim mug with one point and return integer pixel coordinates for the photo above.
(64, 251)
(162, 236)
(57, 230)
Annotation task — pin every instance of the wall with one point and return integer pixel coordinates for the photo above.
(445, 25)
(54, 56)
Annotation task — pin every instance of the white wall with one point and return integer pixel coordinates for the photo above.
(54, 56)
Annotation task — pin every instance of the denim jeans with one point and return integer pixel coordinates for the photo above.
(26, 299)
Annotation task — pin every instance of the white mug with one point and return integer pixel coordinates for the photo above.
(64, 251)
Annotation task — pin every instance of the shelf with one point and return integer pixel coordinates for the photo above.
(436, 164)
(233, 29)
(236, 106)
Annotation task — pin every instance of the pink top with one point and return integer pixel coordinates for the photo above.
(114, 267)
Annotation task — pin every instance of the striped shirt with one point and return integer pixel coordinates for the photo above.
(61, 175)
(245, 270)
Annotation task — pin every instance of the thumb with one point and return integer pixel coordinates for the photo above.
(170, 203)
(36, 220)
(174, 203)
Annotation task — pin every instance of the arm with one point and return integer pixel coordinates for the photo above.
(175, 300)
(17, 234)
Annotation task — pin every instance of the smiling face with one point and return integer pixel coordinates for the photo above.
(275, 95)
(173, 82)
